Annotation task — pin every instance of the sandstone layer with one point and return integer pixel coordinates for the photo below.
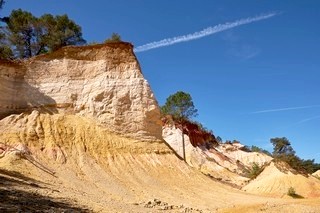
(277, 178)
(102, 82)
(222, 161)
(68, 163)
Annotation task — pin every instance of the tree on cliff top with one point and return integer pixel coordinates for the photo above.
(28, 35)
(283, 151)
(281, 146)
(180, 106)
(5, 50)
(115, 37)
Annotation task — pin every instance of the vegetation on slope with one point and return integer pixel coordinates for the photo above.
(179, 109)
(283, 151)
(254, 171)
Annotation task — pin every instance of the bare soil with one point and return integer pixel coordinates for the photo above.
(80, 167)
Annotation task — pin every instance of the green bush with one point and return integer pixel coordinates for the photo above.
(254, 171)
(115, 37)
(283, 151)
(292, 193)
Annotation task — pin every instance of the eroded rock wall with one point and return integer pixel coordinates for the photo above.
(11, 87)
(103, 82)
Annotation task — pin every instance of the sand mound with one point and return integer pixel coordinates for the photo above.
(70, 157)
(276, 180)
(317, 174)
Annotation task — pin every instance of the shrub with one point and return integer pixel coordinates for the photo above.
(292, 193)
(260, 150)
(254, 171)
(115, 37)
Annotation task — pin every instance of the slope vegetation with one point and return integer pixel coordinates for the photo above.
(277, 178)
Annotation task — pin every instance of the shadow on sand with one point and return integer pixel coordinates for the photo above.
(18, 194)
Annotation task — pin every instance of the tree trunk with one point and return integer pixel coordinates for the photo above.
(183, 146)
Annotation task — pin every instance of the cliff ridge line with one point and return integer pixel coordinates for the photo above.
(103, 82)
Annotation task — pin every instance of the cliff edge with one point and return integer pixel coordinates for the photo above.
(103, 82)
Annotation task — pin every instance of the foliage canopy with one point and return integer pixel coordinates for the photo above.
(254, 171)
(26, 35)
(180, 106)
(283, 151)
(281, 146)
(258, 149)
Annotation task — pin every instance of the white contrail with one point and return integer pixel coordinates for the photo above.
(285, 109)
(307, 120)
(205, 32)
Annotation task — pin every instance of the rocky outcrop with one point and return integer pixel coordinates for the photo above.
(235, 151)
(226, 162)
(205, 157)
(102, 82)
(60, 137)
(197, 135)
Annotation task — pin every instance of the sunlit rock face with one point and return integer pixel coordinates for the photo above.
(102, 82)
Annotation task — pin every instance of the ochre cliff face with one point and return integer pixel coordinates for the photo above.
(103, 82)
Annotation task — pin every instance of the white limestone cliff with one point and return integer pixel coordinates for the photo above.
(102, 82)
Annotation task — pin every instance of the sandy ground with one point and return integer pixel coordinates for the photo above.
(76, 166)
(275, 180)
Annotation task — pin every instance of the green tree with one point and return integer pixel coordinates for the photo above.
(283, 151)
(310, 166)
(5, 50)
(29, 36)
(281, 146)
(21, 29)
(115, 37)
(60, 31)
(2, 35)
(258, 149)
(181, 107)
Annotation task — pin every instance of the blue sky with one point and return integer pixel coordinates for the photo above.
(268, 64)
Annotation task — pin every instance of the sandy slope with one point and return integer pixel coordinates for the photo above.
(276, 181)
(317, 174)
(71, 163)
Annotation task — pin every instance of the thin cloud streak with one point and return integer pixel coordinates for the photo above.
(200, 34)
(306, 120)
(285, 109)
